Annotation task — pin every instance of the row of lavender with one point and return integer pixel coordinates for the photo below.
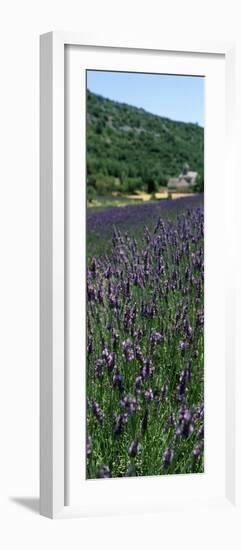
(145, 372)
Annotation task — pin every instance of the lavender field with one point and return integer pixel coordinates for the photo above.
(145, 339)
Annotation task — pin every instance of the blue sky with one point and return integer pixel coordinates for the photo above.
(176, 97)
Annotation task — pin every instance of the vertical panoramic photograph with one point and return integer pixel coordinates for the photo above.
(145, 274)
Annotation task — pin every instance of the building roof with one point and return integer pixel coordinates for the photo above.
(184, 180)
(191, 174)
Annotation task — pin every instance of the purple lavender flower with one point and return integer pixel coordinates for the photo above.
(128, 352)
(115, 339)
(183, 346)
(109, 359)
(184, 380)
(99, 369)
(103, 472)
(147, 370)
(200, 319)
(134, 448)
(168, 457)
(148, 394)
(163, 393)
(138, 384)
(139, 355)
(121, 421)
(196, 452)
(117, 381)
(155, 339)
(88, 446)
(200, 434)
(129, 404)
(185, 425)
(99, 414)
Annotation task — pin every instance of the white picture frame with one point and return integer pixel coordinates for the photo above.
(54, 428)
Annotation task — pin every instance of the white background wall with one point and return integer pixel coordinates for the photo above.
(21, 22)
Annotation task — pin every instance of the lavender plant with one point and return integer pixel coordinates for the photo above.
(145, 350)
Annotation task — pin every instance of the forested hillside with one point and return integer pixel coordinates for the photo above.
(129, 149)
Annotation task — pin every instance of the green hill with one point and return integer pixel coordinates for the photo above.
(129, 149)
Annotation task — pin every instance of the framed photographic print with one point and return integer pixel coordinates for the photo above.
(138, 395)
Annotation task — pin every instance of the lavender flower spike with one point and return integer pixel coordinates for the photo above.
(88, 446)
(168, 457)
(134, 448)
(103, 472)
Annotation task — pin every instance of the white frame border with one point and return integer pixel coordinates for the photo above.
(52, 269)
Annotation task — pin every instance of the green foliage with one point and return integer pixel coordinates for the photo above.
(199, 187)
(129, 148)
(90, 193)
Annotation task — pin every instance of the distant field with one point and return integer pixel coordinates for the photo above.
(131, 218)
(118, 199)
